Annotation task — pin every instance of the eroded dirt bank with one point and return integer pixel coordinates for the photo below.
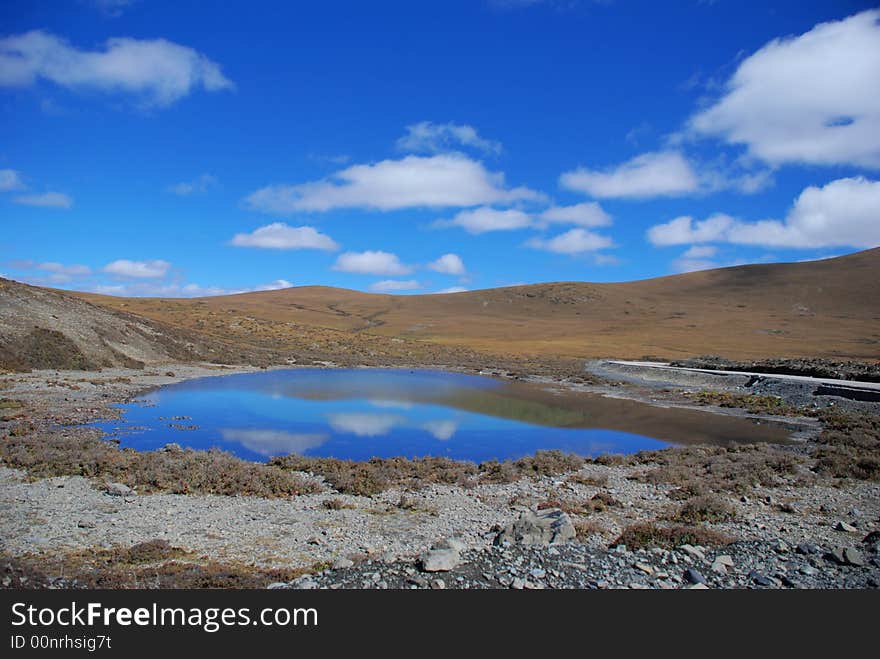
(68, 518)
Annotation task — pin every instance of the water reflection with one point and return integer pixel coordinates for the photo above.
(270, 443)
(363, 425)
(361, 413)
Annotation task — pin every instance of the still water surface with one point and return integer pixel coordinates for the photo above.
(361, 413)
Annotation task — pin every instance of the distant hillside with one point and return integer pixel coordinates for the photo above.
(828, 308)
(42, 328)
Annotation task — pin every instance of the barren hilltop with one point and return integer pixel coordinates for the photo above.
(828, 308)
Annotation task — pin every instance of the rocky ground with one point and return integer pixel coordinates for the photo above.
(789, 529)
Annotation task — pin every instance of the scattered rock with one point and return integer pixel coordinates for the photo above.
(647, 569)
(694, 577)
(444, 555)
(843, 526)
(846, 556)
(693, 552)
(342, 563)
(542, 527)
(119, 490)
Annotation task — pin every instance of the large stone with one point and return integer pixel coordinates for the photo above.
(440, 560)
(541, 527)
(844, 526)
(693, 552)
(444, 555)
(119, 490)
(846, 556)
(693, 576)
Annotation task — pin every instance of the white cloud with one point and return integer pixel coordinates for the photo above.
(587, 214)
(279, 235)
(159, 72)
(484, 219)
(10, 180)
(66, 271)
(199, 185)
(842, 213)
(655, 174)
(811, 98)
(697, 257)
(138, 269)
(59, 273)
(685, 229)
(45, 200)
(442, 430)
(446, 180)
(428, 137)
(448, 264)
(700, 252)
(391, 285)
(451, 289)
(270, 443)
(276, 285)
(683, 264)
(164, 289)
(371, 263)
(363, 424)
(574, 241)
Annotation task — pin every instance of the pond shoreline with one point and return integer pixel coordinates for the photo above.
(309, 530)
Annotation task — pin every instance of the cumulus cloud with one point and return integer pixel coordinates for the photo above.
(45, 200)
(685, 229)
(157, 71)
(485, 219)
(392, 285)
(587, 214)
(138, 269)
(446, 180)
(197, 186)
(448, 264)
(276, 285)
(654, 174)
(56, 273)
(10, 180)
(700, 252)
(174, 289)
(698, 257)
(810, 98)
(372, 263)
(842, 213)
(428, 137)
(279, 235)
(574, 241)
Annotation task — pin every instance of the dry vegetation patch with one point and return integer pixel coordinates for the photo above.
(179, 471)
(645, 535)
(151, 564)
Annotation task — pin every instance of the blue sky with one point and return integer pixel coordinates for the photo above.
(187, 148)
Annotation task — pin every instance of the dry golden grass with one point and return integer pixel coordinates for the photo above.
(815, 309)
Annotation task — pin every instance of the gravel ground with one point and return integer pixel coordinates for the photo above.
(382, 536)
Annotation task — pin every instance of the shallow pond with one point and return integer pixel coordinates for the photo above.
(361, 413)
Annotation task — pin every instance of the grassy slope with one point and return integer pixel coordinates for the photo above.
(827, 308)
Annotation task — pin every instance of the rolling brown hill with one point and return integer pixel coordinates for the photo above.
(828, 308)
